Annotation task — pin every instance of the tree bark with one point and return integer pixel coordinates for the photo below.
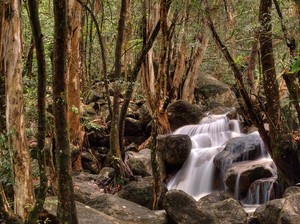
(11, 60)
(74, 69)
(66, 210)
(115, 119)
(195, 62)
(33, 11)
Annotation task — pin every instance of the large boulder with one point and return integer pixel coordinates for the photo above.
(228, 211)
(97, 133)
(239, 149)
(246, 173)
(213, 198)
(281, 211)
(182, 208)
(181, 113)
(140, 162)
(141, 192)
(86, 214)
(175, 149)
(125, 210)
(144, 116)
(213, 93)
(269, 213)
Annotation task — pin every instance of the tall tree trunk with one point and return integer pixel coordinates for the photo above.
(11, 60)
(74, 69)
(115, 119)
(66, 210)
(33, 11)
(282, 149)
(195, 62)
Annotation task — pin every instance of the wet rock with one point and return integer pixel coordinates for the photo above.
(141, 192)
(181, 113)
(239, 149)
(182, 208)
(247, 173)
(140, 162)
(291, 191)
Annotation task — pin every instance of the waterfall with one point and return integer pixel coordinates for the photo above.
(198, 176)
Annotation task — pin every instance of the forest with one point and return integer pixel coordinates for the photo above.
(88, 84)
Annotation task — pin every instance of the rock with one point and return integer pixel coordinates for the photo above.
(90, 163)
(105, 174)
(92, 96)
(97, 133)
(239, 149)
(141, 192)
(248, 172)
(269, 213)
(140, 162)
(122, 209)
(215, 92)
(86, 214)
(87, 111)
(175, 149)
(290, 212)
(291, 191)
(213, 198)
(181, 113)
(144, 116)
(182, 208)
(86, 186)
(133, 127)
(228, 211)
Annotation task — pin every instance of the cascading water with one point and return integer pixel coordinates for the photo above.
(197, 176)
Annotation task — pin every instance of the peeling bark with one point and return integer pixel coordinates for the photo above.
(11, 60)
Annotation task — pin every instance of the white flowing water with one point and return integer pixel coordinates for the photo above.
(197, 175)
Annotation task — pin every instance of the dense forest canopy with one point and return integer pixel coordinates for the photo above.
(53, 53)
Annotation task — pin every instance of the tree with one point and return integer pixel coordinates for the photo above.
(66, 210)
(281, 142)
(11, 66)
(74, 69)
(33, 10)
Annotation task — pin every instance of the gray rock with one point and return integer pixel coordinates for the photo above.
(181, 113)
(175, 149)
(269, 213)
(228, 211)
(182, 208)
(248, 172)
(141, 192)
(239, 149)
(213, 198)
(140, 162)
(86, 214)
(290, 213)
(128, 211)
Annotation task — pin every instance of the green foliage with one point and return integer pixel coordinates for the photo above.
(295, 65)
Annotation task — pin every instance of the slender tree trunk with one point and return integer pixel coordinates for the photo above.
(66, 210)
(11, 60)
(114, 131)
(74, 69)
(33, 11)
(195, 62)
